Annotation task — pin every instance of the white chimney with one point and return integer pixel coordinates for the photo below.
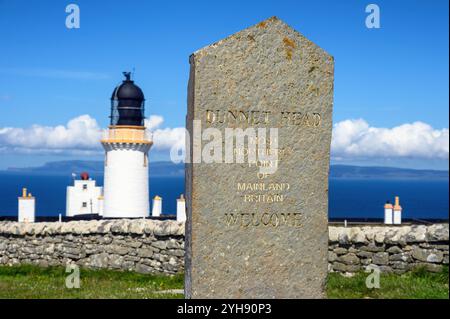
(157, 206)
(388, 213)
(100, 205)
(181, 209)
(397, 211)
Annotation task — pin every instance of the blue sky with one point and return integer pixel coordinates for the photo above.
(388, 77)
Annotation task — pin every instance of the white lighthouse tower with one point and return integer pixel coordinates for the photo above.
(126, 144)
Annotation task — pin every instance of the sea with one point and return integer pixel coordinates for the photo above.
(348, 198)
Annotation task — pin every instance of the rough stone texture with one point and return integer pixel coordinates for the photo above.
(266, 68)
(144, 246)
(349, 259)
(394, 249)
(88, 245)
(380, 258)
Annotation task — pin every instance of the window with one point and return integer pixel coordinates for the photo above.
(84, 204)
(84, 186)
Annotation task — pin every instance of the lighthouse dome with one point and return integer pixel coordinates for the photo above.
(127, 90)
(127, 103)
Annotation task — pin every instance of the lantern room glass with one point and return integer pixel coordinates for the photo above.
(127, 112)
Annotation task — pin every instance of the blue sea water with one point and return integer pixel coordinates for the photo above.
(347, 198)
(419, 199)
(50, 192)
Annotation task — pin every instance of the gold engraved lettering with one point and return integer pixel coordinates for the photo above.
(259, 117)
(251, 186)
(300, 119)
(263, 198)
(266, 219)
(235, 116)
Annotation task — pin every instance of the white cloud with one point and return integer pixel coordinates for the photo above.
(168, 137)
(356, 139)
(153, 122)
(352, 139)
(80, 135)
(164, 138)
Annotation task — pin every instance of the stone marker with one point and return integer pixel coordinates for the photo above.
(251, 234)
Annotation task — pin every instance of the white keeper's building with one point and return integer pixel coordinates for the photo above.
(27, 206)
(84, 197)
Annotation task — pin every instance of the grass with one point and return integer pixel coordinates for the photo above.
(416, 284)
(28, 281)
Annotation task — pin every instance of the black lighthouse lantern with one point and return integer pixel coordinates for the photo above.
(127, 104)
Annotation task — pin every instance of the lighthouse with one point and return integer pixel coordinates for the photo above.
(126, 144)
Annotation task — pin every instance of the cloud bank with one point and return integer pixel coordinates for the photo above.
(80, 135)
(352, 139)
(356, 139)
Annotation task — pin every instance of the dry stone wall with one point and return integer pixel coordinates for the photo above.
(393, 249)
(149, 246)
(145, 246)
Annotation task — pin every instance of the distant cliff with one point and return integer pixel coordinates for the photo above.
(361, 172)
(171, 169)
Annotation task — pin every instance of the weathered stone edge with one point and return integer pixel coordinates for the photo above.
(262, 24)
(123, 226)
(337, 234)
(389, 234)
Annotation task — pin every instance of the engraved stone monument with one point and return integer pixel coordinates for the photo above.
(259, 228)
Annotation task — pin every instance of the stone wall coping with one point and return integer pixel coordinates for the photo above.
(389, 234)
(122, 226)
(337, 234)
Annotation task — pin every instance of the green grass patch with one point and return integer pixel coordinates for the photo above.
(29, 281)
(416, 284)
